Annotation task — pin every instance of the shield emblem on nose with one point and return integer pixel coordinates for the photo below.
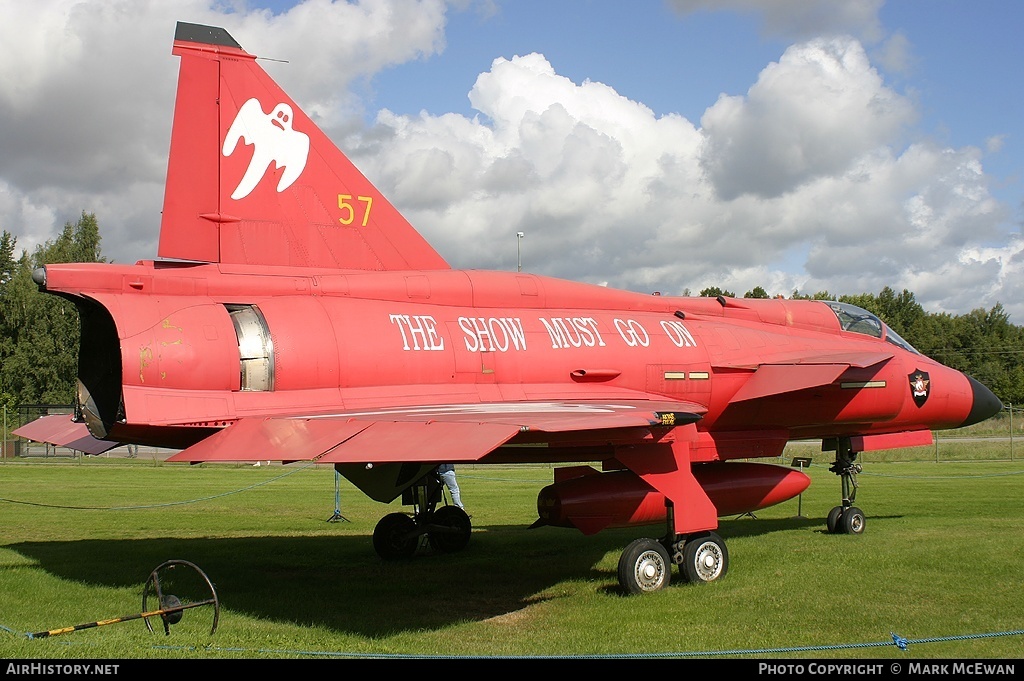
(920, 386)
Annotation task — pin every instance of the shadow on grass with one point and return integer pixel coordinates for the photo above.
(752, 527)
(338, 582)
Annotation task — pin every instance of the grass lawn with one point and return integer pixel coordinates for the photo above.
(940, 564)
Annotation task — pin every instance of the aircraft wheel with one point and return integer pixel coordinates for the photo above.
(832, 521)
(852, 521)
(450, 528)
(644, 567)
(705, 558)
(395, 537)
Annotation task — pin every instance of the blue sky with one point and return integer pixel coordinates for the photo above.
(643, 49)
(962, 61)
(662, 145)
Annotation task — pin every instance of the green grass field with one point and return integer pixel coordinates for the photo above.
(940, 564)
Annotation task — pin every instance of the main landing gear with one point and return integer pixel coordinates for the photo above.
(847, 518)
(646, 564)
(447, 529)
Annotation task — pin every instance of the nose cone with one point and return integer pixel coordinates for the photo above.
(985, 404)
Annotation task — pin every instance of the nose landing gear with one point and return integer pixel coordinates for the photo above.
(846, 518)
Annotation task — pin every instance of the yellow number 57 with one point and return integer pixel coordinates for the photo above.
(348, 211)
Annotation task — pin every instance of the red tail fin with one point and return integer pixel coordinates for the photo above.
(251, 180)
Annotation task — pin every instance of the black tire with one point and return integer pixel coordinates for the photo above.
(853, 521)
(395, 537)
(644, 567)
(705, 558)
(449, 529)
(832, 521)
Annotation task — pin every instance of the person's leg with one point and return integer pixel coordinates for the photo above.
(453, 487)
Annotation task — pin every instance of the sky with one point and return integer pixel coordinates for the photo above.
(649, 145)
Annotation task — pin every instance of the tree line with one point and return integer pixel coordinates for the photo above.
(39, 333)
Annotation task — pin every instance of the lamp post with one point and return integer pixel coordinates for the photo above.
(519, 251)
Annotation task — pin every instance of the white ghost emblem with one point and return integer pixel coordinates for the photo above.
(273, 140)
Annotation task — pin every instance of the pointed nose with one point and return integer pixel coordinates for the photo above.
(985, 404)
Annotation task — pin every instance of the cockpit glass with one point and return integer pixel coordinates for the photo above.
(894, 338)
(858, 320)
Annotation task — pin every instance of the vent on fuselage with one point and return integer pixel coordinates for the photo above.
(255, 347)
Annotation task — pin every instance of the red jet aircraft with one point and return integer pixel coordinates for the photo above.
(295, 315)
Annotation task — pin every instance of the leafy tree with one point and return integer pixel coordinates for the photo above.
(714, 292)
(39, 333)
(935, 335)
(900, 311)
(756, 292)
(7, 261)
(8, 266)
(863, 300)
(992, 347)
